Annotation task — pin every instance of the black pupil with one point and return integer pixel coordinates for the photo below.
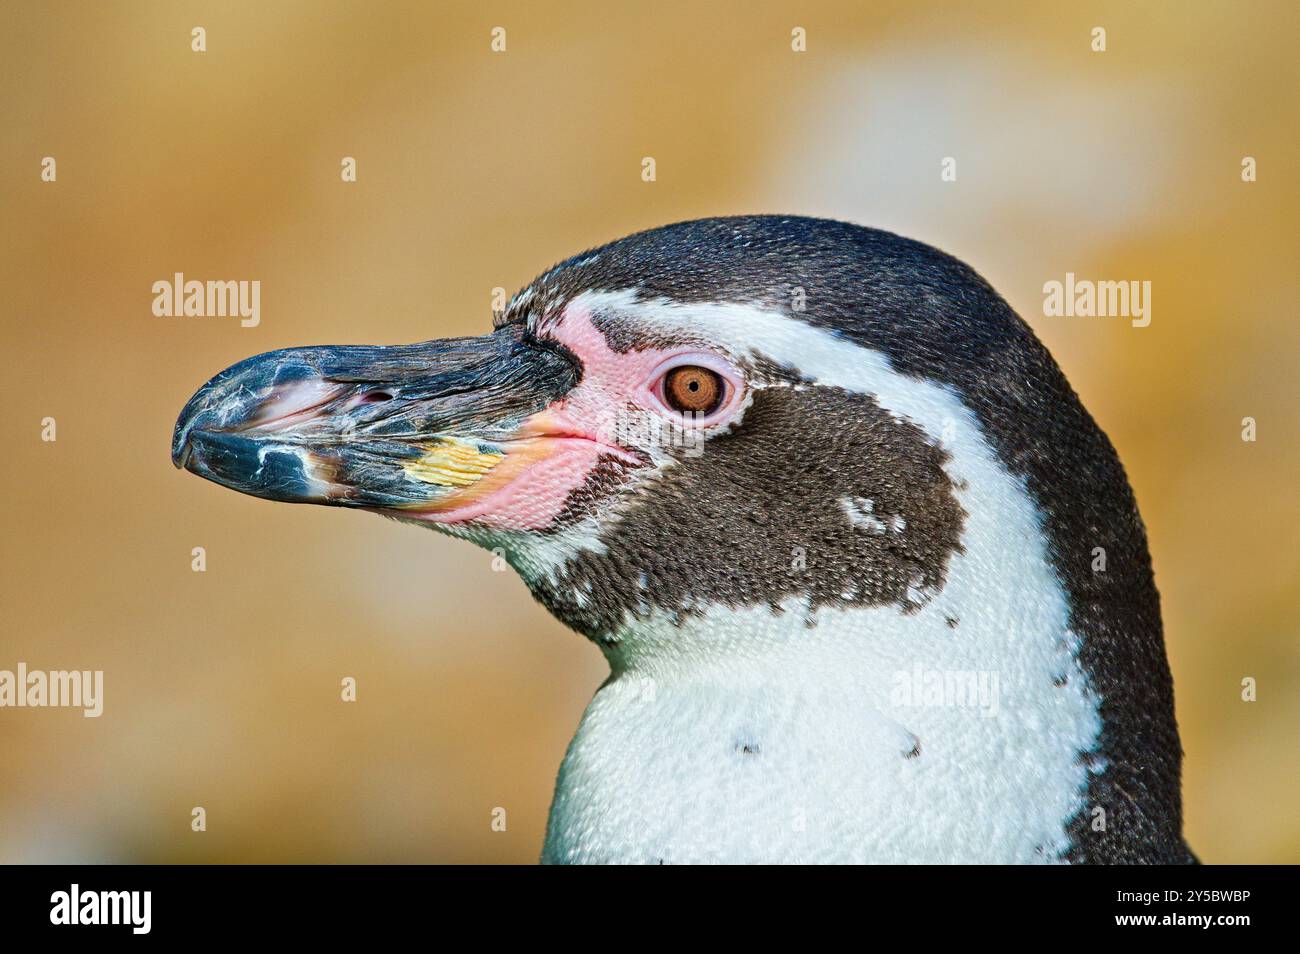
(693, 386)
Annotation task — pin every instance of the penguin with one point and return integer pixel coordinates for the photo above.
(871, 583)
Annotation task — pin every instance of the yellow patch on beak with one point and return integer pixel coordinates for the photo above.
(451, 463)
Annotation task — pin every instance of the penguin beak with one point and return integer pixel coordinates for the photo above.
(406, 429)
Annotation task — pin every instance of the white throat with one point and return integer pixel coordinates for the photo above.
(950, 733)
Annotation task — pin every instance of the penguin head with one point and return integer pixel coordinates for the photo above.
(679, 418)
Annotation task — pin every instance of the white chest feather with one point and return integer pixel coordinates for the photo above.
(871, 738)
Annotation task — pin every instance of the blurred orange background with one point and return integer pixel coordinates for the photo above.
(479, 169)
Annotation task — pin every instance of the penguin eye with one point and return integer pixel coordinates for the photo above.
(692, 389)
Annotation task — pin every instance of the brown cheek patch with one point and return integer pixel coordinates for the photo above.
(818, 493)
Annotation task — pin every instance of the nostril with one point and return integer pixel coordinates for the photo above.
(376, 397)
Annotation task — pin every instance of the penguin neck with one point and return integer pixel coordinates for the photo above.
(863, 667)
